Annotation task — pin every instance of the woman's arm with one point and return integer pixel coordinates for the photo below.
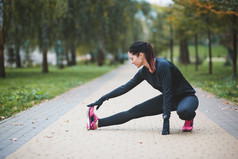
(166, 77)
(137, 79)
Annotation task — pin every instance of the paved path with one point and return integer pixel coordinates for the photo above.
(57, 128)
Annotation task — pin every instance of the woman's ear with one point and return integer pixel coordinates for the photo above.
(141, 55)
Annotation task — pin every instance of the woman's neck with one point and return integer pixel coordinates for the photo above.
(146, 64)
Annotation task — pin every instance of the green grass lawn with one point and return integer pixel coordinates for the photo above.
(220, 83)
(217, 51)
(22, 88)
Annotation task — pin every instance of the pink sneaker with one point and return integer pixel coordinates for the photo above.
(188, 126)
(92, 119)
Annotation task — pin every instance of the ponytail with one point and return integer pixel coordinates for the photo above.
(150, 56)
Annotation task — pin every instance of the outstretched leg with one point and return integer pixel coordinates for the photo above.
(151, 107)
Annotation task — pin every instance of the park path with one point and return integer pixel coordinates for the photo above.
(215, 133)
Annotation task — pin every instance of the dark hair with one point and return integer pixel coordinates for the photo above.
(144, 47)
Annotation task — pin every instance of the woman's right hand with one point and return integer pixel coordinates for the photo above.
(166, 127)
(98, 103)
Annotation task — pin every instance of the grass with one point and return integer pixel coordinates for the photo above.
(24, 87)
(217, 51)
(220, 83)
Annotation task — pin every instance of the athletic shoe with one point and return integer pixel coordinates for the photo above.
(92, 119)
(188, 126)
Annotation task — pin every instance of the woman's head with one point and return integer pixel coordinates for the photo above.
(142, 50)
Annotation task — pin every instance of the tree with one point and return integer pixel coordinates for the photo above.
(181, 28)
(17, 21)
(227, 11)
(112, 22)
(95, 25)
(159, 29)
(2, 67)
(45, 22)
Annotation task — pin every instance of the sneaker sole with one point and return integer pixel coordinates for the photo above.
(88, 122)
(186, 130)
(88, 126)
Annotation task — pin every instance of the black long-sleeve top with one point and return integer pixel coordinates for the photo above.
(167, 79)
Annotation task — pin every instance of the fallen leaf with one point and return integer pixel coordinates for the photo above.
(14, 139)
(48, 136)
(17, 124)
(224, 108)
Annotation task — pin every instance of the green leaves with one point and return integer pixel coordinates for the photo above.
(20, 100)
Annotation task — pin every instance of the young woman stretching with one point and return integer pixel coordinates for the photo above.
(177, 93)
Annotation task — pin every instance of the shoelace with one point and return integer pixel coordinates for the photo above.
(187, 123)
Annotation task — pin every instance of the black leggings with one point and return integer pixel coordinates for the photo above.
(185, 107)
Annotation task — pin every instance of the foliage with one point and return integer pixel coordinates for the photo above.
(94, 25)
(159, 29)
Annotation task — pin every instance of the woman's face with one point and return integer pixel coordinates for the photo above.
(136, 60)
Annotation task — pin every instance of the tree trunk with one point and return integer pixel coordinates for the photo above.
(67, 54)
(234, 63)
(2, 67)
(184, 53)
(18, 57)
(210, 51)
(171, 43)
(45, 63)
(196, 52)
(93, 59)
(73, 55)
(100, 57)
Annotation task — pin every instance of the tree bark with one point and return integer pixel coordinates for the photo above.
(18, 57)
(73, 55)
(45, 63)
(171, 43)
(210, 50)
(234, 63)
(67, 54)
(100, 57)
(2, 66)
(196, 52)
(184, 53)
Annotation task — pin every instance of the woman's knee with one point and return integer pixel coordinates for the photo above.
(186, 114)
(186, 107)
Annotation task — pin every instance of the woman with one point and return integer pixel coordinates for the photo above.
(177, 93)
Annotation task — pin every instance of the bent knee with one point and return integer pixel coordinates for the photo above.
(186, 114)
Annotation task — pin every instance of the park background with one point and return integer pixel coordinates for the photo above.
(51, 46)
